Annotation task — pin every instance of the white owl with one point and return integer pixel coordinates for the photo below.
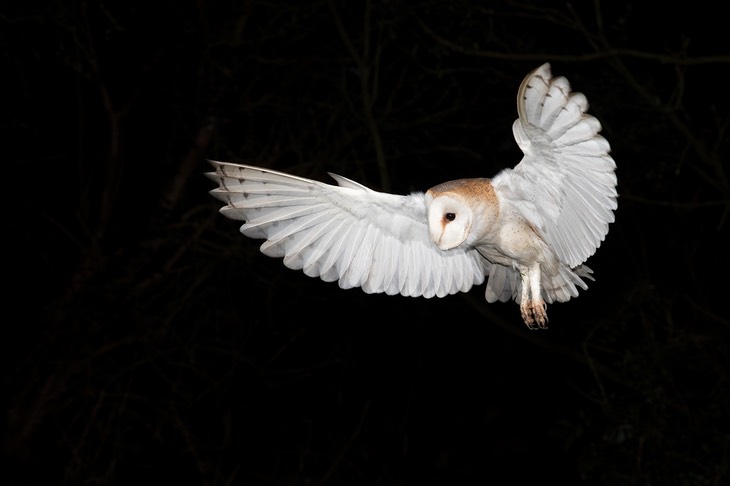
(528, 229)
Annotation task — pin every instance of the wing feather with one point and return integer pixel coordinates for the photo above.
(504, 284)
(318, 251)
(554, 101)
(345, 233)
(346, 261)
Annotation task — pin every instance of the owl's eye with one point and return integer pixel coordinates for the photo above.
(450, 216)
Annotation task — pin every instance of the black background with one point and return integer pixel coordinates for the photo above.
(146, 339)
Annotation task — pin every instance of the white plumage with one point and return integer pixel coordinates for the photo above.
(529, 229)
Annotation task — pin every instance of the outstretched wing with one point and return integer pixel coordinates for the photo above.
(349, 233)
(566, 182)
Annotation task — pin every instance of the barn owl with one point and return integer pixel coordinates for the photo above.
(527, 230)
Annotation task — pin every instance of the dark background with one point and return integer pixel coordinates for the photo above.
(146, 339)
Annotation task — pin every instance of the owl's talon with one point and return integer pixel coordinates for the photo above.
(540, 314)
(534, 314)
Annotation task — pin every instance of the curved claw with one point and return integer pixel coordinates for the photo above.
(534, 313)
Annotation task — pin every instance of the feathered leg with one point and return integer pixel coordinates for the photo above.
(532, 305)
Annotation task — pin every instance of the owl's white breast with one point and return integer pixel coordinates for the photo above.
(511, 239)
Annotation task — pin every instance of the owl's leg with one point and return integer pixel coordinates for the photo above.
(532, 305)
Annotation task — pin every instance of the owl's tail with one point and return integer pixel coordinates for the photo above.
(506, 284)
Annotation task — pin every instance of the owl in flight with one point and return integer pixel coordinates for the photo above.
(527, 230)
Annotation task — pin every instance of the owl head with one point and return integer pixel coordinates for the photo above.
(460, 211)
(449, 219)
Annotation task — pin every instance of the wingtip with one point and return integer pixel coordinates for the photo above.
(215, 174)
(542, 72)
(545, 68)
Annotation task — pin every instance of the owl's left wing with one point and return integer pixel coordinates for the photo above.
(349, 233)
(565, 184)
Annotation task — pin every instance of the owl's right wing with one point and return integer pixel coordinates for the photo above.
(348, 233)
(565, 184)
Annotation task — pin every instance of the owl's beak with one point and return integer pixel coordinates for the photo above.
(437, 237)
